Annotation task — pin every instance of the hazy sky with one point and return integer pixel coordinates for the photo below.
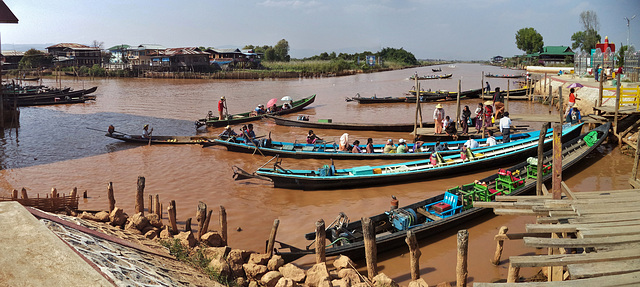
(464, 30)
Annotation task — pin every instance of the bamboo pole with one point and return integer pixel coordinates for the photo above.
(539, 182)
(616, 108)
(201, 217)
(415, 122)
(370, 249)
(150, 204)
(550, 97)
(506, 101)
(415, 254)
(600, 91)
(272, 237)
(461, 266)
(458, 104)
(499, 246)
(321, 238)
(545, 83)
(560, 107)
(140, 195)
(111, 197)
(634, 170)
(557, 161)
(222, 216)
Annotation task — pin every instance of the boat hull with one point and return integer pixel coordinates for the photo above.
(347, 126)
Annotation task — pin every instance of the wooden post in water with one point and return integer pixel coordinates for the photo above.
(458, 104)
(187, 225)
(550, 98)
(111, 197)
(14, 194)
(600, 91)
(499, 246)
(557, 161)
(415, 122)
(140, 195)
(321, 237)
(150, 204)
(23, 193)
(539, 175)
(171, 211)
(560, 108)
(272, 237)
(158, 207)
(482, 91)
(201, 217)
(415, 254)
(54, 192)
(513, 274)
(370, 248)
(461, 266)
(206, 222)
(634, 170)
(506, 101)
(223, 225)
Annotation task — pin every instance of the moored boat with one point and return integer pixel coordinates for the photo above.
(514, 94)
(375, 99)
(429, 96)
(331, 150)
(504, 76)
(214, 121)
(159, 139)
(346, 126)
(328, 177)
(431, 77)
(447, 210)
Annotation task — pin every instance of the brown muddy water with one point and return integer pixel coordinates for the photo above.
(54, 148)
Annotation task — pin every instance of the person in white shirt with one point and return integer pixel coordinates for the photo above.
(505, 128)
(491, 140)
(471, 143)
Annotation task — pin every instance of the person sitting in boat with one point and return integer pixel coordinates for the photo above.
(227, 133)
(288, 105)
(369, 147)
(574, 116)
(312, 138)
(356, 147)
(440, 146)
(389, 147)
(450, 128)
(471, 143)
(344, 143)
(272, 109)
(491, 140)
(260, 109)
(402, 146)
(146, 133)
(417, 143)
(250, 134)
(111, 129)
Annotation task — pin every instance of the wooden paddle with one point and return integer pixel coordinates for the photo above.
(150, 136)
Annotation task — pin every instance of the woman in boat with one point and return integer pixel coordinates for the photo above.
(464, 120)
(288, 105)
(402, 146)
(479, 117)
(228, 133)
(260, 109)
(356, 147)
(369, 147)
(389, 147)
(344, 142)
(312, 138)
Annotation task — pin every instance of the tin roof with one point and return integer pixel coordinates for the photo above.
(226, 50)
(68, 45)
(150, 47)
(12, 53)
(119, 47)
(184, 51)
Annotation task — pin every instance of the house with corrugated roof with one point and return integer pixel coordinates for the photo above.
(11, 59)
(72, 54)
(181, 59)
(234, 57)
(141, 55)
(119, 54)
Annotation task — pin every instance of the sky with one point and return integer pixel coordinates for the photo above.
(452, 30)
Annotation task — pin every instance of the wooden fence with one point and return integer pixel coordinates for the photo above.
(628, 96)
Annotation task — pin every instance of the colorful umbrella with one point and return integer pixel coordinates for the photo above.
(286, 98)
(575, 85)
(271, 102)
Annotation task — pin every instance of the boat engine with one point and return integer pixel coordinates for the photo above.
(338, 232)
(402, 219)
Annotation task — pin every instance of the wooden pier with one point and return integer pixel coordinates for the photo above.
(593, 238)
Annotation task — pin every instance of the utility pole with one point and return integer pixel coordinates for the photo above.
(629, 28)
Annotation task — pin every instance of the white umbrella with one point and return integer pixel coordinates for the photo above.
(286, 98)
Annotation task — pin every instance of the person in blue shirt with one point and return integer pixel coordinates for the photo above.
(574, 116)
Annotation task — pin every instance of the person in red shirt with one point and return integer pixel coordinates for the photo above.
(572, 101)
(221, 108)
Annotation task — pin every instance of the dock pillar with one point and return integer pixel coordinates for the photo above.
(111, 197)
(461, 265)
(321, 237)
(539, 169)
(415, 254)
(557, 161)
(140, 195)
(499, 246)
(223, 225)
(272, 237)
(370, 249)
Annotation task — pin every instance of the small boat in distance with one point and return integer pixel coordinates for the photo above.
(437, 70)
(431, 77)
(504, 76)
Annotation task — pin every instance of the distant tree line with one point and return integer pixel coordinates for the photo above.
(386, 54)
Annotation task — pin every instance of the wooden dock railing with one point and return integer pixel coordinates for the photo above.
(628, 96)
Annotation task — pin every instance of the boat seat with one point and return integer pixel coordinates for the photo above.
(428, 215)
(287, 147)
(308, 148)
(507, 182)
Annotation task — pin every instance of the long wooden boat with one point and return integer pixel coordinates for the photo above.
(159, 139)
(430, 96)
(514, 94)
(213, 121)
(424, 220)
(375, 99)
(331, 151)
(512, 76)
(437, 70)
(55, 98)
(328, 177)
(431, 77)
(346, 126)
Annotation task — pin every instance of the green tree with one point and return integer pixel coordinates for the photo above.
(529, 40)
(282, 51)
(397, 55)
(34, 59)
(620, 55)
(588, 37)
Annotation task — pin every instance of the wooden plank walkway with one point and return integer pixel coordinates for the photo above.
(593, 239)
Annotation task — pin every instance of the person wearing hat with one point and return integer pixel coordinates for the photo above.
(488, 113)
(389, 147)
(438, 118)
(260, 109)
(146, 133)
(222, 107)
(228, 133)
(402, 146)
